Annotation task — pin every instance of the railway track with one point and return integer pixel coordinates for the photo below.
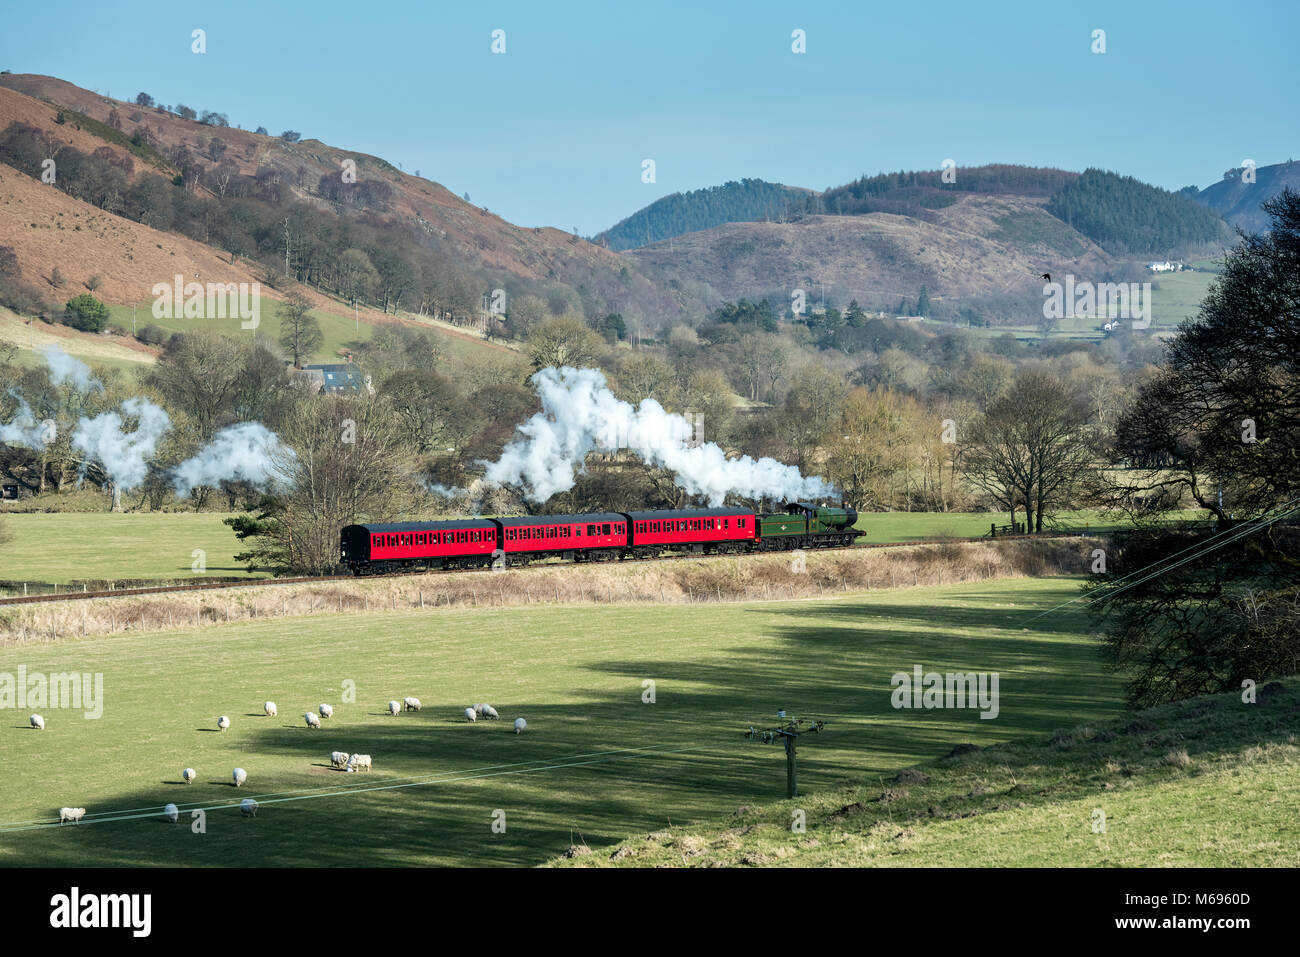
(317, 579)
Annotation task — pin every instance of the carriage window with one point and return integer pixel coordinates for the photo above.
(740, 523)
(604, 530)
(591, 529)
(510, 534)
(726, 524)
(461, 537)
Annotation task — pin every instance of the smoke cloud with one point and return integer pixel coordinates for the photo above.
(244, 452)
(24, 430)
(580, 414)
(123, 455)
(64, 368)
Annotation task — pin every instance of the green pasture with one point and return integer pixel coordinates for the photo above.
(596, 764)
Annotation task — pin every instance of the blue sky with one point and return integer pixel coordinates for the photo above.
(554, 131)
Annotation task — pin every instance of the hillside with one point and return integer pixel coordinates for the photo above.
(984, 250)
(1166, 787)
(750, 200)
(253, 180)
(1239, 203)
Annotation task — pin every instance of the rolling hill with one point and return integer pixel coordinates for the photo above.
(257, 180)
(978, 243)
(1239, 203)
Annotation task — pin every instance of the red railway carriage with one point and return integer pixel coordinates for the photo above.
(419, 544)
(697, 529)
(596, 537)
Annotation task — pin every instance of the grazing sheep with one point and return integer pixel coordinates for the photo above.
(37, 722)
(411, 704)
(171, 813)
(240, 776)
(471, 714)
(223, 723)
(248, 807)
(394, 707)
(359, 762)
(312, 720)
(188, 775)
(339, 759)
(326, 711)
(520, 724)
(73, 814)
(478, 709)
(271, 710)
(490, 712)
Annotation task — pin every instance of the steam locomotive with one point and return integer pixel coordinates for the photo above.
(598, 537)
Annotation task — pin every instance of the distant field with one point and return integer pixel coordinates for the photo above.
(596, 763)
(66, 546)
(904, 526)
(337, 330)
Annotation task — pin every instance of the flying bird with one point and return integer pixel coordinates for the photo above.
(1047, 276)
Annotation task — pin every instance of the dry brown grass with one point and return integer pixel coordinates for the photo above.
(747, 578)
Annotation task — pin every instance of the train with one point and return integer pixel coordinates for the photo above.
(378, 549)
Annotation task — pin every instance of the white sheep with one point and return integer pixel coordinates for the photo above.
(188, 775)
(471, 714)
(248, 807)
(312, 720)
(171, 813)
(223, 723)
(37, 722)
(394, 707)
(339, 759)
(240, 776)
(478, 709)
(326, 711)
(490, 712)
(520, 724)
(73, 814)
(411, 704)
(359, 762)
(271, 710)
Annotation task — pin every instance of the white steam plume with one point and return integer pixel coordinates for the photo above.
(580, 414)
(64, 368)
(122, 454)
(247, 451)
(24, 430)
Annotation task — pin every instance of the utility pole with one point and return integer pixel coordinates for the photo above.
(133, 320)
(788, 734)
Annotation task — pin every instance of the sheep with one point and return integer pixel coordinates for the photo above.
(37, 722)
(171, 813)
(471, 714)
(358, 762)
(326, 711)
(248, 807)
(520, 724)
(490, 712)
(223, 723)
(240, 776)
(339, 759)
(394, 707)
(478, 709)
(188, 775)
(73, 814)
(312, 720)
(411, 704)
(271, 710)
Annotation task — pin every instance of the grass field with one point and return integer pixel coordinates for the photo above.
(142, 545)
(596, 763)
(66, 546)
(337, 330)
(1210, 782)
